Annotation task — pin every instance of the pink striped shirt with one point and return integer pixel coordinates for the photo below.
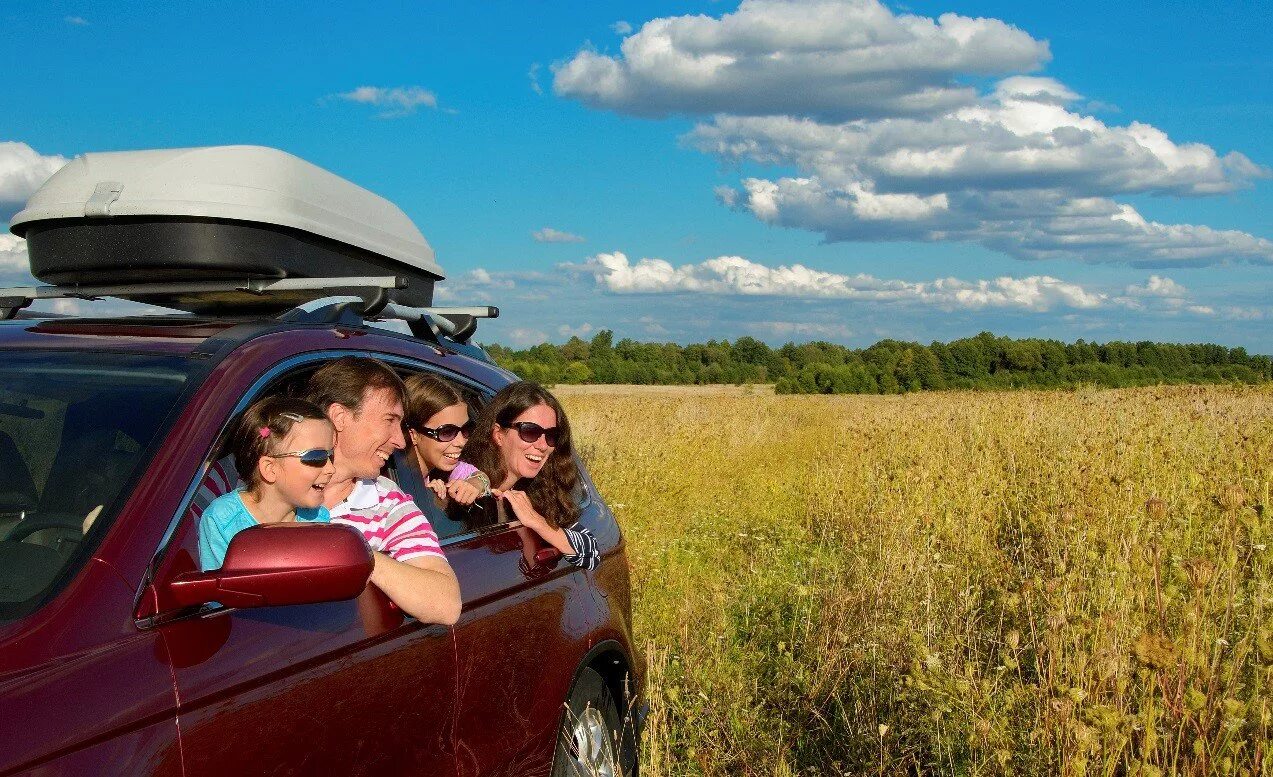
(388, 519)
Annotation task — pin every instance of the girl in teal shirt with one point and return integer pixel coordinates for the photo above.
(283, 453)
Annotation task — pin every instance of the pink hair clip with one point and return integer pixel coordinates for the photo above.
(265, 431)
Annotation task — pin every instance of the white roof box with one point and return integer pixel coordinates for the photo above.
(222, 212)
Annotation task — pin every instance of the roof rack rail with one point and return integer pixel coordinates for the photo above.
(236, 295)
(456, 324)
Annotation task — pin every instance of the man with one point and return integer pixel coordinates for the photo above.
(363, 397)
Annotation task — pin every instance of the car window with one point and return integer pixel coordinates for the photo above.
(73, 428)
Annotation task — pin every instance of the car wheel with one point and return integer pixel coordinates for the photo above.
(592, 740)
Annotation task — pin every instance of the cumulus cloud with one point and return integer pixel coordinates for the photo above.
(873, 113)
(1157, 286)
(1018, 172)
(396, 100)
(565, 330)
(739, 276)
(832, 58)
(22, 170)
(621, 28)
(13, 255)
(550, 235)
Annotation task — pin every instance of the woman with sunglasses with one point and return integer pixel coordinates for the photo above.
(522, 441)
(438, 426)
(283, 454)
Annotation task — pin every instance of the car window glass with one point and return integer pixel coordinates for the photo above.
(72, 430)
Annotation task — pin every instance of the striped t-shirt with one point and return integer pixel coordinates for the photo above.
(388, 519)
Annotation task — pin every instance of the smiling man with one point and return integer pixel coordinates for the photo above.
(363, 398)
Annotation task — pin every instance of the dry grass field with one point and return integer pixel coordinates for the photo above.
(948, 583)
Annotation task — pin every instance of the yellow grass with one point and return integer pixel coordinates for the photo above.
(954, 583)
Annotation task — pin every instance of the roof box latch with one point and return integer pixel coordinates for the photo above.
(99, 205)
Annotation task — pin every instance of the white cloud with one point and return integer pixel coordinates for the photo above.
(1201, 310)
(565, 330)
(22, 170)
(398, 100)
(524, 336)
(13, 254)
(550, 235)
(1247, 313)
(735, 275)
(802, 329)
(533, 75)
(621, 28)
(888, 141)
(1157, 286)
(833, 58)
(1021, 176)
(78, 21)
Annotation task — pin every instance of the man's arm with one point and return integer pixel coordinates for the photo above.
(424, 587)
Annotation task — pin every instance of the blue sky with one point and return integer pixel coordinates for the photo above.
(835, 170)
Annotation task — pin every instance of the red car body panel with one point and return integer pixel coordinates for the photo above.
(111, 675)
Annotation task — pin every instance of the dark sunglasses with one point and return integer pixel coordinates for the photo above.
(314, 457)
(447, 432)
(530, 431)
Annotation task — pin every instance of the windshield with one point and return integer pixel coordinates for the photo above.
(73, 429)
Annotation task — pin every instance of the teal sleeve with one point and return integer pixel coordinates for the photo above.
(218, 524)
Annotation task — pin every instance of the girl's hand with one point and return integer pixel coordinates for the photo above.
(463, 491)
(438, 488)
(522, 508)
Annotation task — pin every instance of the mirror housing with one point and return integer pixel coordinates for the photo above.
(267, 566)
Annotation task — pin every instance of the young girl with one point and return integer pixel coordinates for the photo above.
(522, 440)
(438, 427)
(283, 453)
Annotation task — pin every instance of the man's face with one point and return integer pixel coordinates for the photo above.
(367, 437)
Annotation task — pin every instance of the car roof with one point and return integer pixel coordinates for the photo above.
(214, 338)
(149, 334)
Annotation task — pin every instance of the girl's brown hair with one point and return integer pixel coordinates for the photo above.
(278, 415)
(552, 492)
(426, 396)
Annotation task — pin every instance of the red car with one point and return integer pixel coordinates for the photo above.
(118, 656)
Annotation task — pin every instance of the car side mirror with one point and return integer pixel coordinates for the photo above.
(267, 566)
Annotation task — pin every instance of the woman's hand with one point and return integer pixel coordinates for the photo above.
(524, 510)
(438, 488)
(463, 492)
(531, 519)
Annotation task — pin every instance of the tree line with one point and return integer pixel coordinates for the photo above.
(888, 367)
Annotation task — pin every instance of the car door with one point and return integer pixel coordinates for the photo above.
(523, 627)
(349, 687)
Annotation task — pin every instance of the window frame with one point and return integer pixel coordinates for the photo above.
(269, 378)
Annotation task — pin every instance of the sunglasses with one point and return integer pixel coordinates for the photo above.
(530, 431)
(314, 457)
(447, 432)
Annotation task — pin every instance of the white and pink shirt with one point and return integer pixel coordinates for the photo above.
(388, 519)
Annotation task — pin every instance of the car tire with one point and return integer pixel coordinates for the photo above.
(593, 740)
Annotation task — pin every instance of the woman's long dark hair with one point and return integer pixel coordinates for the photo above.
(552, 491)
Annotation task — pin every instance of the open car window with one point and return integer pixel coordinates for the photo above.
(446, 522)
(74, 428)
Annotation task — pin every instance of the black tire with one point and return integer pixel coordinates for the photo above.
(593, 740)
